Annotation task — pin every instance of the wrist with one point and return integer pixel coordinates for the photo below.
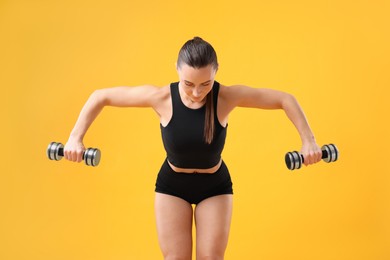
(309, 138)
(76, 136)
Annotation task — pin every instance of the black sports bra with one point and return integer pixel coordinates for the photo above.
(183, 137)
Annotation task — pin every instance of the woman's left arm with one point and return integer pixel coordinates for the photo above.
(272, 99)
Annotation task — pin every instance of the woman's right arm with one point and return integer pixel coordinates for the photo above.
(142, 96)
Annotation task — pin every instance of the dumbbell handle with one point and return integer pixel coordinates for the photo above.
(323, 156)
(61, 152)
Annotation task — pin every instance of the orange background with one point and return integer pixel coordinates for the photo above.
(332, 55)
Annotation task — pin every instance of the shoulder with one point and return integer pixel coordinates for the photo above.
(232, 92)
(160, 95)
(161, 92)
(156, 92)
(245, 96)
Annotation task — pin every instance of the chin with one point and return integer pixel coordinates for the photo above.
(198, 100)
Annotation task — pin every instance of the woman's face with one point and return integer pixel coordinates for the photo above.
(196, 83)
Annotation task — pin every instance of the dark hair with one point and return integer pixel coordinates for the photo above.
(198, 53)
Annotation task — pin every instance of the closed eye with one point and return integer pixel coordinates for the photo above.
(190, 84)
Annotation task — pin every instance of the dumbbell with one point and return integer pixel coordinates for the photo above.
(294, 160)
(91, 156)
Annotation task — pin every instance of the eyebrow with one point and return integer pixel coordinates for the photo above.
(186, 81)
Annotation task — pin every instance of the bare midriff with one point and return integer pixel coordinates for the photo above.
(194, 171)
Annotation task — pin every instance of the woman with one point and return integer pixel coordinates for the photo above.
(193, 120)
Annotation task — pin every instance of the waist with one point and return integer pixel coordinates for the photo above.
(194, 170)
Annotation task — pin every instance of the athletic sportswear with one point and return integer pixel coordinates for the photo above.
(183, 137)
(193, 188)
(186, 148)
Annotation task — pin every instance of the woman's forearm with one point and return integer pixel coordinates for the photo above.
(295, 113)
(89, 112)
(310, 150)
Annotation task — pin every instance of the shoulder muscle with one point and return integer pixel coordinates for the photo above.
(139, 96)
(245, 96)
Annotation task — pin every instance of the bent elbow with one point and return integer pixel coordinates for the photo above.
(287, 100)
(99, 97)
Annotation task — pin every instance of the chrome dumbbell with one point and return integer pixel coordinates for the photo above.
(91, 156)
(294, 160)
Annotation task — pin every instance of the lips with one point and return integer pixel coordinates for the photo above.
(198, 100)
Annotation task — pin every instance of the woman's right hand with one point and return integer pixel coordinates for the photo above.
(73, 150)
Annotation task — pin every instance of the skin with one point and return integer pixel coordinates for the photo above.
(174, 216)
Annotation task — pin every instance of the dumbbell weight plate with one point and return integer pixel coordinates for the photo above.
(332, 153)
(52, 151)
(293, 160)
(92, 156)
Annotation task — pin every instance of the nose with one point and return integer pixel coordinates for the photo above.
(196, 93)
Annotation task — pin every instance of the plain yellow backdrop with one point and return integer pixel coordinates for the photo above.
(332, 55)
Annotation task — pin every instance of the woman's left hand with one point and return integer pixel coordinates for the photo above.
(311, 152)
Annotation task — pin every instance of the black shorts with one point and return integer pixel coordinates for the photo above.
(196, 187)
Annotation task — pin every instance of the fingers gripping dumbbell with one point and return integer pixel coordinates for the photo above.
(294, 160)
(91, 156)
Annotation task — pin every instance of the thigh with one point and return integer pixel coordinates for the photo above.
(212, 219)
(174, 226)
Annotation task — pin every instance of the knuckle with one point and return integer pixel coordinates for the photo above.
(74, 156)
